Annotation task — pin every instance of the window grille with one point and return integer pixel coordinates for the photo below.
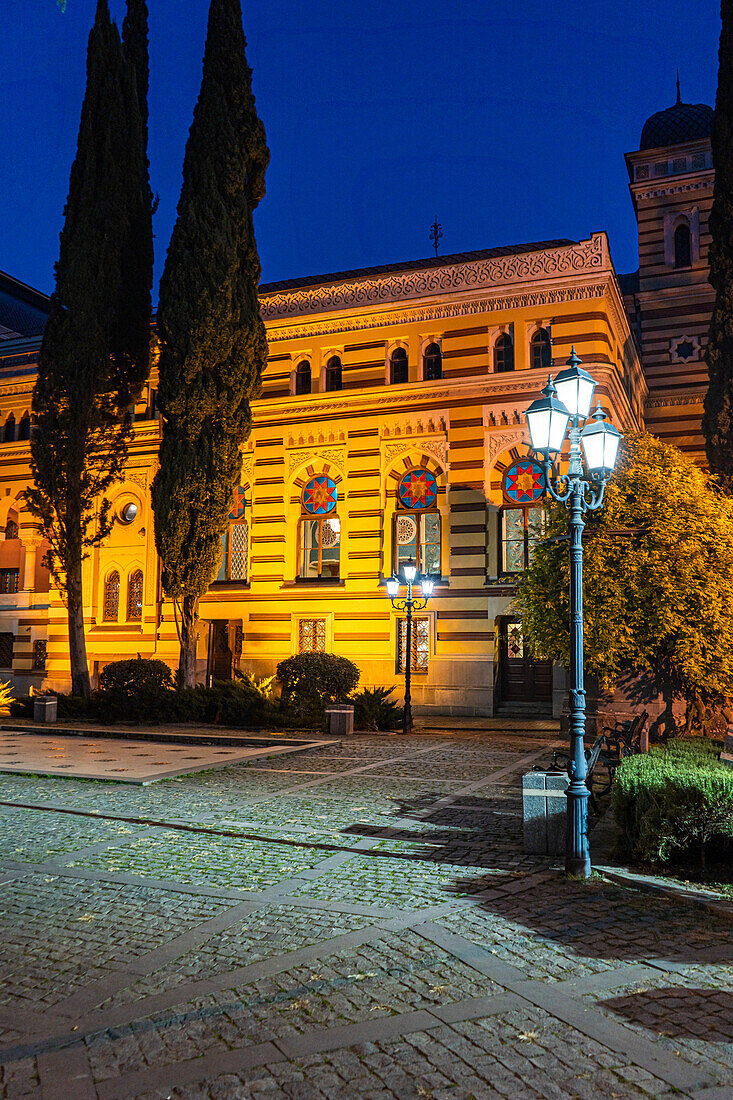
(39, 654)
(6, 650)
(135, 595)
(312, 636)
(9, 581)
(112, 596)
(11, 530)
(238, 546)
(420, 645)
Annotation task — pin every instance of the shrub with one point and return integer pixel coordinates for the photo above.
(310, 681)
(136, 677)
(673, 801)
(6, 696)
(374, 710)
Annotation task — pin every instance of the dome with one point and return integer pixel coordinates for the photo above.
(678, 124)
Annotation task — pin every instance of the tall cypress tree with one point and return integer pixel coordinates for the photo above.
(132, 335)
(87, 373)
(718, 419)
(213, 344)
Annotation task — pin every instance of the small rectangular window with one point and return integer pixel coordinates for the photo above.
(39, 654)
(6, 650)
(320, 548)
(312, 636)
(417, 539)
(9, 581)
(420, 645)
(521, 530)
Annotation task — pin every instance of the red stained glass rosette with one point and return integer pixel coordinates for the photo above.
(418, 489)
(320, 496)
(524, 481)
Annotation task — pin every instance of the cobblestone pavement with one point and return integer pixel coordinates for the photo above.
(358, 921)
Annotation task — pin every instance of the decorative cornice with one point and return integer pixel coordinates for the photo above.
(494, 303)
(583, 257)
(680, 399)
(693, 185)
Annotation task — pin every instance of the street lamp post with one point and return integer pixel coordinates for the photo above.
(567, 402)
(408, 603)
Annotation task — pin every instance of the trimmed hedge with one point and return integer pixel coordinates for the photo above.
(674, 803)
(311, 681)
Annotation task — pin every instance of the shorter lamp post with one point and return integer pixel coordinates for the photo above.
(409, 603)
(567, 401)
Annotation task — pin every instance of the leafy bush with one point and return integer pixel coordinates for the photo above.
(673, 801)
(135, 677)
(6, 696)
(311, 681)
(374, 710)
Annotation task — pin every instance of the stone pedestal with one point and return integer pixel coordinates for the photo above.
(545, 807)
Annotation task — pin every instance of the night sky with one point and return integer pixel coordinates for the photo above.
(509, 120)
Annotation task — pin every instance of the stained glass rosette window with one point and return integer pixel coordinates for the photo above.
(418, 489)
(320, 496)
(524, 481)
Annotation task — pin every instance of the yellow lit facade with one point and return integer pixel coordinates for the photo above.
(390, 425)
(414, 375)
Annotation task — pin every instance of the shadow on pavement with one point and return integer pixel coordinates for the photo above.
(679, 1012)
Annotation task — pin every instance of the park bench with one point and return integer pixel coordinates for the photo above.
(610, 747)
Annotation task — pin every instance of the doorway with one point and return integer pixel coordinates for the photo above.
(225, 649)
(523, 677)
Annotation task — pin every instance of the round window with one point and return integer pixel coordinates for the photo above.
(524, 481)
(128, 512)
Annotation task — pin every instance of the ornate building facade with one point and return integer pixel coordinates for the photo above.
(390, 426)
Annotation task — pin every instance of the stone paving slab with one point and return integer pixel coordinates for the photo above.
(360, 922)
(125, 760)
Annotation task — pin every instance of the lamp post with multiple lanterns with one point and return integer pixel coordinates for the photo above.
(409, 603)
(565, 404)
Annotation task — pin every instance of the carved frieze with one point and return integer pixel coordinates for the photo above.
(333, 455)
(573, 259)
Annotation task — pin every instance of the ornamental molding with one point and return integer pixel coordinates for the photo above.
(248, 465)
(498, 442)
(333, 455)
(669, 402)
(674, 349)
(585, 256)
(140, 479)
(529, 299)
(435, 447)
(660, 192)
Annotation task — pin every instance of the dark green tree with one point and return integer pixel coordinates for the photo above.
(131, 340)
(213, 344)
(718, 418)
(88, 375)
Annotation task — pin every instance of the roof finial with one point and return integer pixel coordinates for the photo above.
(679, 98)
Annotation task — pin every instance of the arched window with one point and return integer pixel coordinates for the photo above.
(112, 596)
(682, 246)
(540, 350)
(303, 377)
(24, 427)
(503, 353)
(522, 519)
(399, 370)
(416, 535)
(9, 430)
(432, 363)
(135, 595)
(235, 541)
(11, 529)
(333, 373)
(320, 531)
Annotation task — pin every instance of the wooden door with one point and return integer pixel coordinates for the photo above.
(524, 678)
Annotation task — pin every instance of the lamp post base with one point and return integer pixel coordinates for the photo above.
(577, 852)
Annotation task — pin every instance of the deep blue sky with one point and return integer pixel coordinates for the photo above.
(507, 118)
